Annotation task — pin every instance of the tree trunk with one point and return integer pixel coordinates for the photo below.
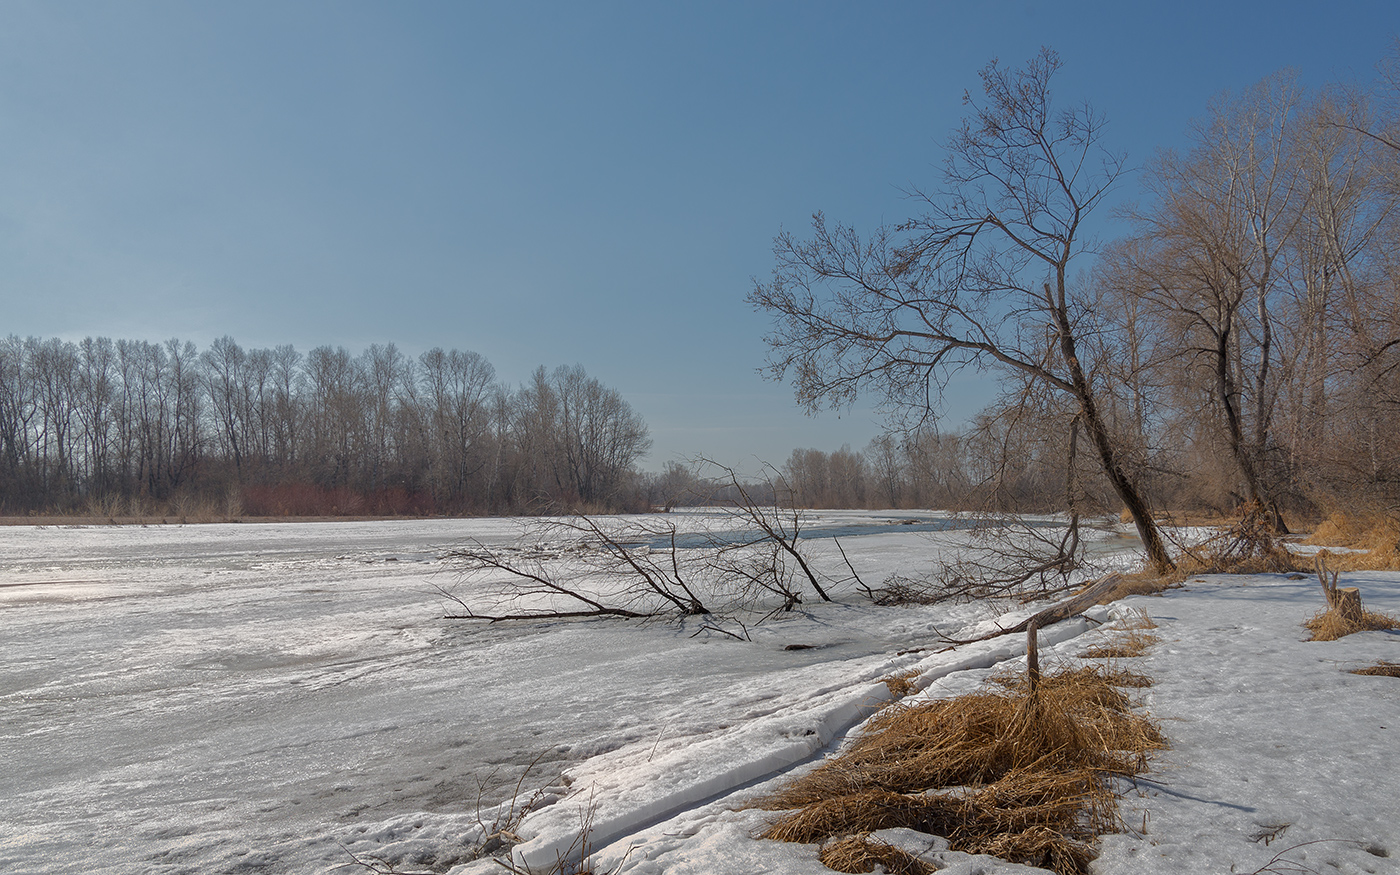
(1123, 486)
(1346, 601)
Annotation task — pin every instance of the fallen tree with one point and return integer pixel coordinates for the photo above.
(642, 567)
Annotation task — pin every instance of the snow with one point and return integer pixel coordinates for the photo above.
(277, 697)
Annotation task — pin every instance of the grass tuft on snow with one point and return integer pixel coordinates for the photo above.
(1025, 776)
(861, 853)
(1331, 624)
(902, 684)
(1381, 669)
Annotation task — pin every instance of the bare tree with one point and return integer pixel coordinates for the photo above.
(224, 362)
(600, 436)
(1220, 230)
(886, 464)
(984, 278)
(458, 390)
(96, 386)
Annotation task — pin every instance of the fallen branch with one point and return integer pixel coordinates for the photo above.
(1086, 599)
(485, 558)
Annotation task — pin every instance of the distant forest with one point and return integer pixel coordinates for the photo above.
(133, 428)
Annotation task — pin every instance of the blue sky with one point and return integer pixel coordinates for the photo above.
(543, 183)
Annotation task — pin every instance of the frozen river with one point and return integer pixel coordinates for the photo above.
(243, 697)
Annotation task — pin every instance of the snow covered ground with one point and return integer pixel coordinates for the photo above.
(275, 698)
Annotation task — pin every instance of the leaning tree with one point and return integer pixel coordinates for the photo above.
(983, 278)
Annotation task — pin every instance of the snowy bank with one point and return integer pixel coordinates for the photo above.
(1278, 755)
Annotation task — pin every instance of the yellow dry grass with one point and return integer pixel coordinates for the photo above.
(1131, 637)
(1123, 646)
(1382, 669)
(1140, 583)
(861, 853)
(1329, 625)
(1120, 677)
(1025, 776)
(902, 684)
(1338, 530)
(1135, 619)
(1378, 536)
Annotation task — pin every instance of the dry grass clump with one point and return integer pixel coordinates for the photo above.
(1132, 638)
(902, 684)
(1136, 618)
(1340, 529)
(1382, 669)
(1121, 677)
(1025, 776)
(1331, 624)
(1364, 530)
(1378, 534)
(1140, 583)
(1017, 682)
(1344, 614)
(861, 853)
(1122, 647)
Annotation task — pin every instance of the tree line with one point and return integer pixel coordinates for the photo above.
(133, 427)
(1239, 344)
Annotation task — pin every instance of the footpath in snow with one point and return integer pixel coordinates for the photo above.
(1280, 760)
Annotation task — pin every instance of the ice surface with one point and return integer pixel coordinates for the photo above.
(274, 698)
(244, 697)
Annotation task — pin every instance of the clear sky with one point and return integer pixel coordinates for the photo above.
(543, 183)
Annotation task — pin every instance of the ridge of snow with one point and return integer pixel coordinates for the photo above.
(620, 793)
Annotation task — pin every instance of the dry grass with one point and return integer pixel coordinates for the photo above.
(1120, 677)
(1358, 530)
(1140, 583)
(902, 684)
(861, 853)
(1329, 625)
(1382, 669)
(1016, 682)
(1023, 776)
(1132, 636)
(1377, 534)
(1122, 647)
(1344, 614)
(1338, 530)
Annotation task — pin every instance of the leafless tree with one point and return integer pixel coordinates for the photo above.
(985, 278)
(1214, 271)
(224, 362)
(886, 464)
(458, 389)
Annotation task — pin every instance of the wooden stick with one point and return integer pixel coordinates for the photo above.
(1033, 655)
